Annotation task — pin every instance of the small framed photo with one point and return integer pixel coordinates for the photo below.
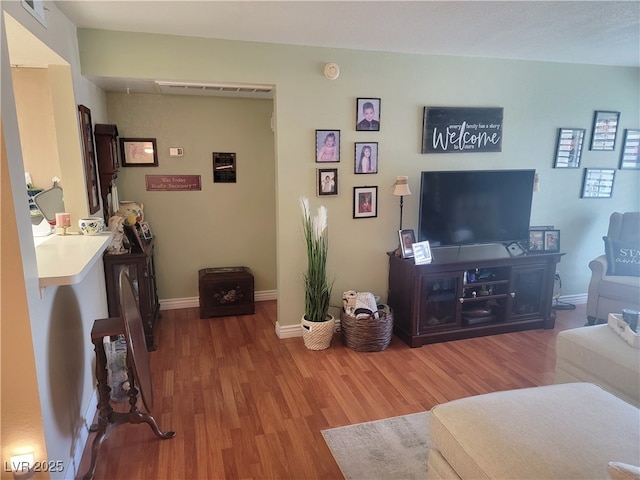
(552, 241)
(365, 202)
(146, 230)
(422, 253)
(134, 235)
(569, 147)
(327, 146)
(536, 240)
(366, 158)
(407, 239)
(139, 152)
(368, 114)
(327, 181)
(630, 157)
(598, 183)
(605, 127)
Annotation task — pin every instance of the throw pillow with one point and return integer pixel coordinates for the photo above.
(623, 258)
(623, 471)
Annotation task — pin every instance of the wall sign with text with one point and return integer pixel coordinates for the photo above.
(462, 130)
(172, 183)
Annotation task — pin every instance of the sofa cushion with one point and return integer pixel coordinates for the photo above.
(620, 287)
(569, 431)
(623, 471)
(598, 355)
(623, 258)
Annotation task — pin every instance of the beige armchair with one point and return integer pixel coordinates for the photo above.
(611, 293)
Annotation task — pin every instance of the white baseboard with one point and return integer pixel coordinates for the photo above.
(189, 302)
(578, 299)
(81, 442)
(291, 331)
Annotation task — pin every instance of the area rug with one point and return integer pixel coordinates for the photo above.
(392, 448)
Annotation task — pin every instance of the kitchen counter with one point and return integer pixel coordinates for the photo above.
(66, 259)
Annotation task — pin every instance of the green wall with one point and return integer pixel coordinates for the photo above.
(537, 98)
(224, 224)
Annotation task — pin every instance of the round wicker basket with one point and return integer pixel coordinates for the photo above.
(318, 335)
(367, 334)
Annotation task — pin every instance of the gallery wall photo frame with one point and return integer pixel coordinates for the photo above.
(327, 181)
(630, 156)
(89, 157)
(365, 202)
(605, 129)
(407, 239)
(224, 167)
(368, 114)
(139, 152)
(366, 158)
(327, 146)
(598, 182)
(569, 147)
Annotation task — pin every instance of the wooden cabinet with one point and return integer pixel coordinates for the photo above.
(106, 137)
(141, 270)
(450, 299)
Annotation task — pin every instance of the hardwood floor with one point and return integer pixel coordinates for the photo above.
(245, 404)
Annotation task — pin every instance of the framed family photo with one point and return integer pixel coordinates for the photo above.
(569, 147)
(366, 157)
(327, 181)
(139, 152)
(407, 239)
(630, 157)
(327, 146)
(552, 241)
(368, 114)
(605, 128)
(365, 202)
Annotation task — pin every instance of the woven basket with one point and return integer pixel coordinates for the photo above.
(367, 334)
(318, 335)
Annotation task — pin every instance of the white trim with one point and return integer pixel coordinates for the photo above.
(578, 299)
(83, 436)
(190, 302)
(292, 331)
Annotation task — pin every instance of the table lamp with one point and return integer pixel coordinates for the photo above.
(401, 188)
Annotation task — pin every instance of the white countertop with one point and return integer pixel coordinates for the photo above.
(66, 259)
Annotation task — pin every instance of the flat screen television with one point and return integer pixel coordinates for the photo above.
(475, 206)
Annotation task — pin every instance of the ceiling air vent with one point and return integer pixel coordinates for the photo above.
(215, 89)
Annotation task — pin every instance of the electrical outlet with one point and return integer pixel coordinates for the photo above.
(176, 152)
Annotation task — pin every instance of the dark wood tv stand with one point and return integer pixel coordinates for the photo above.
(466, 293)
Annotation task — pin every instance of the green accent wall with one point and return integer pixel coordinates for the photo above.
(537, 97)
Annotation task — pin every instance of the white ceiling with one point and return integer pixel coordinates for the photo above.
(590, 32)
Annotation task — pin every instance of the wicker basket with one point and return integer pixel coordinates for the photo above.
(367, 334)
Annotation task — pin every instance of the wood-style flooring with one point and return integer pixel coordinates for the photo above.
(247, 405)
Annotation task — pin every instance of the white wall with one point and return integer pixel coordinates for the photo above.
(59, 318)
(537, 98)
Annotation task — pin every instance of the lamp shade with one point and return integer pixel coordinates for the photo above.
(401, 187)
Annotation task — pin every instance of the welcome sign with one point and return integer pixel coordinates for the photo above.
(462, 130)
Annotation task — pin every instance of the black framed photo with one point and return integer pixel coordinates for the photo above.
(630, 157)
(368, 114)
(145, 229)
(139, 152)
(135, 237)
(224, 167)
(88, 154)
(365, 202)
(407, 239)
(569, 147)
(551, 241)
(605, 128)
(366, 157)
(327, 146)
(598, 183)
(327, 181)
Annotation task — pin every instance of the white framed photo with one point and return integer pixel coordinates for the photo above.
(421, 252)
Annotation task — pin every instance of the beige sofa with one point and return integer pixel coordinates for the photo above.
(611, 293)
(565, 431)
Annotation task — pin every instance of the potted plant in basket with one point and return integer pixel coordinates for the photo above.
(318, 324)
